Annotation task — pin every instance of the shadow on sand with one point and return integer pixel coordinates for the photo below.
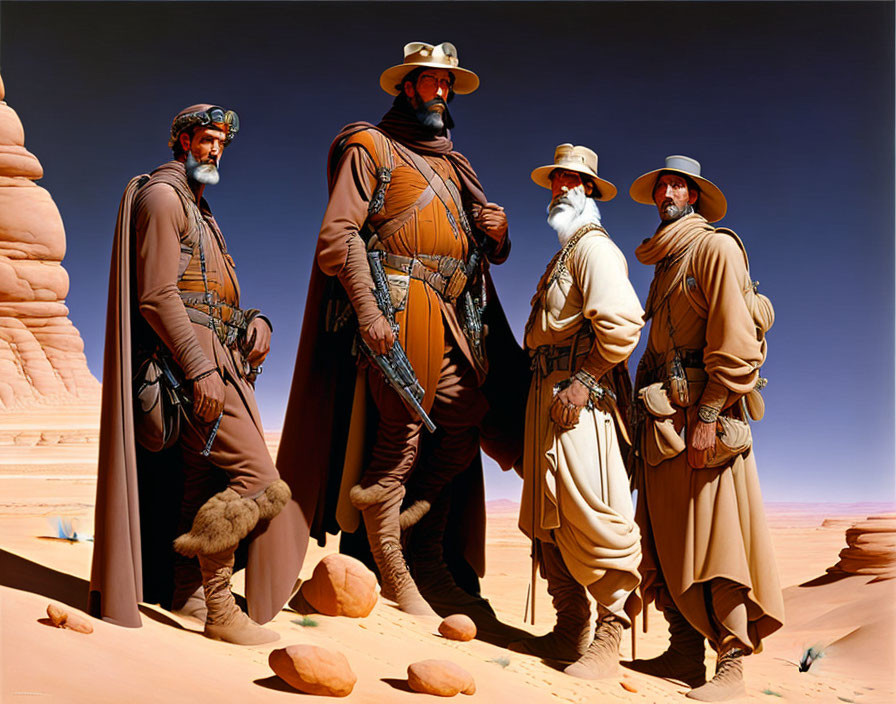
(19, 573)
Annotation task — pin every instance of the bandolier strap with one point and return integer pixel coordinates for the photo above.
(445, 275)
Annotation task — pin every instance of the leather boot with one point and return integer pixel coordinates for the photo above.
(225, 620)
(380, 507)
(683, 659)
(728, 681)
(571, 635)
(602, 657)
(188, 599)
(426, 556)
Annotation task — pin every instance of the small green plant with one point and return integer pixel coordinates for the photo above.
(771, 693)
(503, 662)
(305, 621)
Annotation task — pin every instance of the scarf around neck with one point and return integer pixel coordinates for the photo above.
(672, 239)
(404, 128)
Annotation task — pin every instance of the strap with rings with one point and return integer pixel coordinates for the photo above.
(551, 358)
(212, 313)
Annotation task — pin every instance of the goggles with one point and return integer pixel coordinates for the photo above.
(227, 120)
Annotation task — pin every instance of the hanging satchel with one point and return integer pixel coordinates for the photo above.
(160, 401)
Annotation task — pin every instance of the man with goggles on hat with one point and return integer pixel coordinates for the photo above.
(175, 298)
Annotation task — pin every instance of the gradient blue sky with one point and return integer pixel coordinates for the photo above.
(789, 106)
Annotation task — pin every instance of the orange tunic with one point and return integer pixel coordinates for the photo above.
(427, 231)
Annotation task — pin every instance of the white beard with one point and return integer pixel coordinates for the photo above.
(571, 212)
(206, 174)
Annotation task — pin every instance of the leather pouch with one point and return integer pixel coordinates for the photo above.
(733, 437)
(663, 442)
(159, 398)
(398, 290)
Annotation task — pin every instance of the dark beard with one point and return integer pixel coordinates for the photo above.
(673, 212)
(433, 121)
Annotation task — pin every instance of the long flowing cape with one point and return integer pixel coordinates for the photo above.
(139, 493)
(318, 414)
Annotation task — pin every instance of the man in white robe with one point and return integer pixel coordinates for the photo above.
(576, 503)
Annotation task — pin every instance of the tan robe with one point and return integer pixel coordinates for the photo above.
(576, 492)
(703, 524)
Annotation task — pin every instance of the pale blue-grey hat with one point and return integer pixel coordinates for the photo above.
(711, 204)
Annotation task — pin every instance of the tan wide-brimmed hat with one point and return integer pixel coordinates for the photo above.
(417, 54)
(579, 159)
(711, 204)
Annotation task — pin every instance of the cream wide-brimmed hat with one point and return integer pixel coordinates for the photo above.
(579, 159)
(711, 204)
(418, 54)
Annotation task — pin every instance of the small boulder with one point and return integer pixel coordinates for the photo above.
(458, 627)
(341, 586)
(63, 619)
(313, 670)
(440, 677)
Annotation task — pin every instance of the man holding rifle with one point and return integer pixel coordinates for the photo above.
(408, 234)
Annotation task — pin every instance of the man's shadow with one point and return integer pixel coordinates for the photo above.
(17, 572)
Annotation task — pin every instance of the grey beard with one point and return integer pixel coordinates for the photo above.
(206, 174)
(673, 212)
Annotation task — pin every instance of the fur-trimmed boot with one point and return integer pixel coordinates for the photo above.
(571, 635)
(602, 657)
(426, 556)
(683, 659)
(380, 507)
(225, 620)
(218, 527)
(728, 681)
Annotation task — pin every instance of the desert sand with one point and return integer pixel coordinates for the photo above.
(851, 617)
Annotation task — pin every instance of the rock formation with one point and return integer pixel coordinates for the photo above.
(42, 359)
(458, 627)
(340, 586)
(313, 670)
(871, 548)
(440, 677)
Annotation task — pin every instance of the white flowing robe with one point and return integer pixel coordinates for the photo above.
(575, 488)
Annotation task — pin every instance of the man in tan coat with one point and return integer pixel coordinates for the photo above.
(175, 298)
(576, 503)
(708, 559)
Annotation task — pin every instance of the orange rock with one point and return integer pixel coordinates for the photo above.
(341, 586)
(41, 353)
(313, 670)
(440, 677)
(71, 621)
(628, 687)
(871, 548)
(458, 627)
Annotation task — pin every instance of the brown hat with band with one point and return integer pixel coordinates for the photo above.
(582, 160)
(711, 204)
(418, 54)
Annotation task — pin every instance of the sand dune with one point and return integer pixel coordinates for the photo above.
(168, 660)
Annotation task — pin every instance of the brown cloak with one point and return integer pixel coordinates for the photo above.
(138, 492)
(318, 414)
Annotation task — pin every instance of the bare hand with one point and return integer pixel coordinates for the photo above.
(208, 397)
(258, 341)
(568, 404)
(701, 444)
(491, 219)
(379, 336)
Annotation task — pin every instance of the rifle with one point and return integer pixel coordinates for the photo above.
(395, 365)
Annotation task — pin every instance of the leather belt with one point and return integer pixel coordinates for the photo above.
(445, 275)
(552, 358)
(212, 316)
